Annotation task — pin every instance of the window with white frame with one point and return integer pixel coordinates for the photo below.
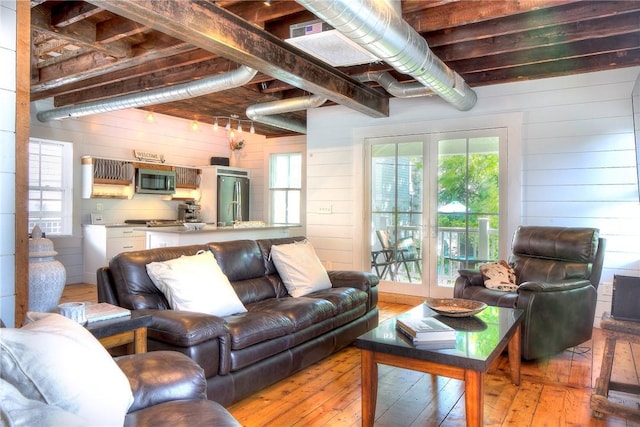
(285, 188)
(50, 186)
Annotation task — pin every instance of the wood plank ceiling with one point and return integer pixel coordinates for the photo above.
(97, 50)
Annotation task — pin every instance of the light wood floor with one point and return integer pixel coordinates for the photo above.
(553, 391)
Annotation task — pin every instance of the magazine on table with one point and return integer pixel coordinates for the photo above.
(104, 311)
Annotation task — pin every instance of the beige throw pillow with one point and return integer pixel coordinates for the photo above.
(56, 361)
(196, 283)
(499, 275)
(300, 268)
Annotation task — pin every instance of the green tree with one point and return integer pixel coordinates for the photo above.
(471, 180)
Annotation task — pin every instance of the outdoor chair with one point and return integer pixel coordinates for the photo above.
(393, 256)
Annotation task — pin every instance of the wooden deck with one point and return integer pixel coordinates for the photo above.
(554, 392)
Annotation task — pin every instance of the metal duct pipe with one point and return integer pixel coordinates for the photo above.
(217, 83)
(268, 113)
(375, 26)
(393, 86)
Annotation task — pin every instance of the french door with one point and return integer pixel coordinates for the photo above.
(434, 207)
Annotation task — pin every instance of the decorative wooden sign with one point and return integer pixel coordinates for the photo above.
(148, 157)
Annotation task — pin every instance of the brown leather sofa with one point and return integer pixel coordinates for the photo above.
(278, 335)
(558, 270)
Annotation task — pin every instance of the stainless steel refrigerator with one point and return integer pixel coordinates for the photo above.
(233, 198)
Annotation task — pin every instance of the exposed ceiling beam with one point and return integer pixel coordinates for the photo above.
(545, 37)
(460, 13)
(217, 30)
(536, 20)
(75, 70)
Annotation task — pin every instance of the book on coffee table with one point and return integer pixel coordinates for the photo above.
(426, 331)
(104, 311)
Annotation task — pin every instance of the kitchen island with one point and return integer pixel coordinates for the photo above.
(160, 237)
(103, 241)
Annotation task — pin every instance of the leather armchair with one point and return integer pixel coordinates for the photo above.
(170, 389)
(558, 270)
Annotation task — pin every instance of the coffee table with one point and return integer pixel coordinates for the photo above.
(480, 339)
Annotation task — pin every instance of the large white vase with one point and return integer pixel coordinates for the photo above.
(47, 276)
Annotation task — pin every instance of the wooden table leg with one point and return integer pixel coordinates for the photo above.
(514, 349)
(473, 397)
(369, 388)
(140, 340)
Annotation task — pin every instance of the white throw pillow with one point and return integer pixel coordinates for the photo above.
(196, 283)
(56, 361)
(300, 268)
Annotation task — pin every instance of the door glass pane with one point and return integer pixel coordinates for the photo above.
(468, 205)
(396, 211)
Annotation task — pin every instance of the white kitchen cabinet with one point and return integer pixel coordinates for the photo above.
(103, 242)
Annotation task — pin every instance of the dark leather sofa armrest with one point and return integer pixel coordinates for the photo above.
(564, 285)
(353, 279)
(184, 328)
(162, 376)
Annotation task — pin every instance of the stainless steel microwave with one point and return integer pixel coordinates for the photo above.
(154, 181)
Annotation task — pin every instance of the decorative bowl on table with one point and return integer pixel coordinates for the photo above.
(194, 225)
(455, 307)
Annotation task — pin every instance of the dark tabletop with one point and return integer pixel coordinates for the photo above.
(479, 339)
(105, 328)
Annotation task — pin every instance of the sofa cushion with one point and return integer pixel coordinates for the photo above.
(300, 268)
(56, 361)
(302, 312)
(499, 275)
(253, 327)
(344, 299)
(196, 283)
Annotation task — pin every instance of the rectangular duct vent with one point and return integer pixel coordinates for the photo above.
(322, 41)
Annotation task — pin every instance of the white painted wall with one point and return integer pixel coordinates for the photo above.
(577, 160)
(7, 161)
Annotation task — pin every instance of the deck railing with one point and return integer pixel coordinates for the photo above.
(457, 248)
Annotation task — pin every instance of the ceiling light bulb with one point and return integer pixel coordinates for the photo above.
(232, 134)
(215, 125)
(239, 127)
(252, 129)
(194, 126)
(150, 117)
(228, 126)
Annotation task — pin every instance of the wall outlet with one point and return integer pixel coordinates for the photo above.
(325, 209)
(99, 207)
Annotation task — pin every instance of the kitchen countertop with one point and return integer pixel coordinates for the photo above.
(182, 229)
(210, 228)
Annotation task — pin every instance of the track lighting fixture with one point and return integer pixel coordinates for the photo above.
(232, 120)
